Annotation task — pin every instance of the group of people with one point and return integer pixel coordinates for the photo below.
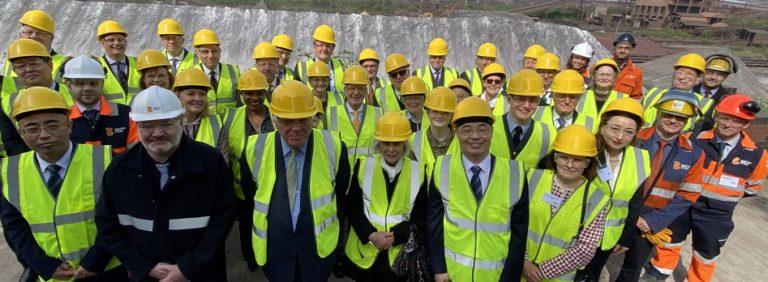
(119, 168)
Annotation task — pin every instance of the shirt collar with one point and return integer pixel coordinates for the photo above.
(731, 142)
(207, 71)
(180, 57)
(556, 115)
(513, 124)
(287, 149)
(84, 108)
(112, 61)
(485, 164)
(392, 171)
(352, 111)
(63, 162)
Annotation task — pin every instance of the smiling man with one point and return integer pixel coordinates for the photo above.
(171, 34)
(323, 44)
(222, 77)
(567, 90)
(122, 82)
(436, 73)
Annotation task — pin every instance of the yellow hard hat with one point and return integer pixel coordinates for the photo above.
(324, 33)
(677, 107)
(548, 61)
(392, 127)
(110, 27)
(355, 75)
(38, 19)
(318, 69)
(191, 77)
(606, 62)
(472, 107)
(719, 64)
(494, 68)
(568, 82)
(292, 100)
(691, 60)
(525, 83)
(413, 85)
(318, 105)
(534, 51)
(169, 26)
(25, 47)
(264, 50)
(367, 54)
(437, 47)
(486, 50)
(575, 140)
(38, 98)
(626, 105)
(151, 58)
(252, 79)
(205, 37)
(460, 82)
(395, 61)
(282, 41)
(441, 99)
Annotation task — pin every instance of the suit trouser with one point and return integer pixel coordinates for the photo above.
(244, 211)
(635, 258)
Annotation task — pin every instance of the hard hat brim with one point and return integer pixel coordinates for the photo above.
(151, 117)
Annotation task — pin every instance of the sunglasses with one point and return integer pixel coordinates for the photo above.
(402, 73)
(493, 81)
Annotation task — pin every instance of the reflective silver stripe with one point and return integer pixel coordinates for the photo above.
(615, 222)
(233, 79)
(303, 71)
(322, 201)
(98, 155)
(138, 223)
(334, 116)
(690, 187)
(642, 174)
(715, 181)
(616, 203)
(360, 151)
(216, 127)
(652, 96)
(188, 223)
(42, 228)
(480, 226)
(133, 90)
(323, 225)
(415, 184)
(750, 182)
(391, 219)
(76, 255)
(258, 152)
(702, 103)
(10, 107)
(378, 112)
(583, 101)
(75, 217)
(472, 262)
(114, 96)
(664, 193)
(13, 181)
(534, 182)
(370, 163)
(716, 196)
(514, 184)
(230, 118)
(260, 232)
(260, 207)
(113, 106)
(549, 239)
(337, 96)
(444, 179)
(417, 145)
(703, 259)
(383, 97)
(330, 149)
(225, 100)
(589, 122)
(546, 135)
(539, 112)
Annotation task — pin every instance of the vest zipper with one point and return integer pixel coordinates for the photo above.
(56, 231)
(474, 256)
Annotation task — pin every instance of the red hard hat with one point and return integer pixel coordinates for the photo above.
(738, 105)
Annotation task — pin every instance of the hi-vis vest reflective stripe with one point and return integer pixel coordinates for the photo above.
(422, 150)
(383, 214)
(549, 237)
(326, 152)
(358, 145)
(63, 227)
(190, 60)
(338, 67)
(112, 89)
(474, 77)
(477, 234)
(209, 130)
(235, 125)
(544, 114)
(537, 146)
(587, 105)
(223, 98)
(333, 99)
(635, 168)
(7, 100)
(654, 95)
(746, 163)
(448, 75)
(387, 99)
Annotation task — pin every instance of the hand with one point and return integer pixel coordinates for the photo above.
(619, 249)
(532, 272)
(174, 274)
(158, 272)
(81, 272)
(63, 272)
(381, 240)
(442, 277)
(642, 225)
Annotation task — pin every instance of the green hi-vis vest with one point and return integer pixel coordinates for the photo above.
(477, 234)
(534, 149)
(548, 236)
(424, 118)
(382, 213)
(422, 150)
(112, 89)
(387, 99)
(635, 168)
(544, 115)
(7, 100)
(448, 75)
(358, 144)
(63, 227)
(475, 81)
(288, 75)
(223, 98)
(502, 107)
(234, 122)
(654, 95)
(337, 68)
(587, 105)
(326, 152)
(333, 99)
(209, 130)
(190, 60)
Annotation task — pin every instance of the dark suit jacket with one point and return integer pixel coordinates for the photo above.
(707, 122)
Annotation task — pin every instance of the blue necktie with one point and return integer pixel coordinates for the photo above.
(54, 180)
(475, 184)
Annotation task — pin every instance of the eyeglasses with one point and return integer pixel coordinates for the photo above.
(48, 127)
(163, 125)
(493, 81)
(615, 130)
(522, 99)
(576, 162)
(482, 130)
(33, 64)
(731, 120)
(681, 73)
(370, 66)
(402, 73)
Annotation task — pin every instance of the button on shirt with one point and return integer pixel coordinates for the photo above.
(63, 162)
(300, 155)
(485, 165)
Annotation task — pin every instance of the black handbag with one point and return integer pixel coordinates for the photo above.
(413, 262)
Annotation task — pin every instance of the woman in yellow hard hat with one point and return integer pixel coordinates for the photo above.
(413, 94)
(567, 208)
(493, 82)
(155, 69)
(434, 140)
(386, 197)
(600, 93)
(198, 123)
(319, 75)
(461, 89)
(624, 168)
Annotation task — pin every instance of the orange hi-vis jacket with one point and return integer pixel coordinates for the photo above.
(630, 80)
(740, 173)
(112, 127)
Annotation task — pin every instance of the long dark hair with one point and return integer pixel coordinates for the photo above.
(570, 66)
(604, 120)
(548, 162)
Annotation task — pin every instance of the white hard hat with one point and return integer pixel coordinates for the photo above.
(583, 49)
(83, 67)
(155, 103)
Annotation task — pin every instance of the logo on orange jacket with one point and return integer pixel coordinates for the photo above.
(110, 131)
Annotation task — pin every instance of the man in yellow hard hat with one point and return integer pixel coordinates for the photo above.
(531, 55)
(567, 89)
(369, 60)
(122, 82)
(324, 40)
(600, 93)
(462, 231)
(388, 96)
(486, 54)
(284, 45)
(688, 69)
(436, 73)
(547, 66)
(267, 57)
(171, 34)
(301, 174)
(50, 195)
(223, 77)
(719, 67)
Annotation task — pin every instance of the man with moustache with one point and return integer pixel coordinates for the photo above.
(171, 34)
(122, 82)
(630, 78)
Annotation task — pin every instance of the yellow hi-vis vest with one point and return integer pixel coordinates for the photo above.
(326, 151)
(383, 214)
(477, 234)
(448, 75)
(7, 100)
(358, 144)
(190, 60)
(332, 99)
(634, 169)
(235, 125)
(654, 95)
(288, 75)
(587, 105)
(544, 114)
(63, 227)
(223, 98)
(338, 67)
(387, 99)
(474, 79)
(112, 89)
(209, 130)
(548, 236)
(422, 150)
(535, 148)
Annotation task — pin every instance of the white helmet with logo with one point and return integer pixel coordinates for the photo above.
(155, 103)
